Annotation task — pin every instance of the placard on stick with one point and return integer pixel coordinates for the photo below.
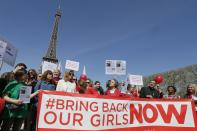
(115, 67)
(135, 79)
(72, 65)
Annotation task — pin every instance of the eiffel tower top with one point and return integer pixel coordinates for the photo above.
(51, 52)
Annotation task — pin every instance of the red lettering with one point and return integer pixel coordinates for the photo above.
(172, 110)
(68, 119)
(154, 112)
(60, 104)
(135, 112)
(125, 118)
(125, 107)
(95, 109)
(103, 119)
(119, 107)
(70, 104)
(113, 108)
(117, 120)
(75, 119)
(84, 106)
(110, 119)
(105, 107)
(97, 121)
(53, 118)
(76, 106)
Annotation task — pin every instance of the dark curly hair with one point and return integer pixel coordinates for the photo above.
(172, 87)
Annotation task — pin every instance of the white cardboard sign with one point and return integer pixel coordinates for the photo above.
(135, 80)
(8, 53)
(115, 67)
(48, 66)
(25, 93)
(72, 65)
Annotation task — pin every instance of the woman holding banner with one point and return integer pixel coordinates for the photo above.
(98, 88)
(191, 93)
(132, 91)
(65, 84)
(89, 87)
(46, 83)
(171, 93)
(112, 88)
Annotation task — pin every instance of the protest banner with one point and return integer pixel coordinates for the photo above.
(72, 65)
(60, 111)
(48, 66)
(135, 80)
(115, 67)
(8, 53)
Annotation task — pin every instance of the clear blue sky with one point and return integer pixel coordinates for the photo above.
(151, 35)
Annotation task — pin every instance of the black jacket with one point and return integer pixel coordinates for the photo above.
(149, 91)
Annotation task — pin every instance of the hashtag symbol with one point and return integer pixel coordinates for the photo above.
(50, 103)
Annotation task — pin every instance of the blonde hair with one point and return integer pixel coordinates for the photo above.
(67, 76)
(193, 86)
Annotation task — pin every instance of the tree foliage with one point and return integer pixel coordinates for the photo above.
(179, 78)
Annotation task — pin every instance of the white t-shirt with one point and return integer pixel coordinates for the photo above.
(66, 86)
(112, 91)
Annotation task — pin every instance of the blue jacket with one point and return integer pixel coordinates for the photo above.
(43, 85)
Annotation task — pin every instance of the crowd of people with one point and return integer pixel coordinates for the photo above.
(14, 113)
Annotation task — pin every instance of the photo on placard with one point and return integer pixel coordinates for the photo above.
(118, 64)
(108, 64)
(22, 91)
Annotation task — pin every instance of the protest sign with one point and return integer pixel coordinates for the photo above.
(58, 111)
(2, 49)
(25, 93)
(48, 66)
(72, 65)
(8, 52)
(135, 80)
(115, 67)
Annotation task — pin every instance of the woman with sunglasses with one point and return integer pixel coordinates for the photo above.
(66, 85)
(90, 89)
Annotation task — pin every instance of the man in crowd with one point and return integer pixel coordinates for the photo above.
(150, 91)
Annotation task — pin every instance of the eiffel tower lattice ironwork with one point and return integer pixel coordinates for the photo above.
(51, 52)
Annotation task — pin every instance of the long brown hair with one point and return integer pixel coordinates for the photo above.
(33, 72)
(44, 76)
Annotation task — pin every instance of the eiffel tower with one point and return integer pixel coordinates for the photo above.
(51, 52)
